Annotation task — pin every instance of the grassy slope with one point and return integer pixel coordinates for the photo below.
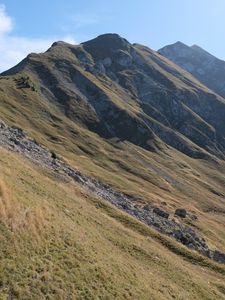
(70, 246)
(58, 242)
(156, 177)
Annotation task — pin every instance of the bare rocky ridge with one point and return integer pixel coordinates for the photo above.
(17, 140)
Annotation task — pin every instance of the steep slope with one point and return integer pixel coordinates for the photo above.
(15, 139)
(60, 242)
(109, 85)
(126, 115)
(204, 66)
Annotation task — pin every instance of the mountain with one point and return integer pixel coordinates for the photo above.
(204, 66)
(125, 91)
(144, 134)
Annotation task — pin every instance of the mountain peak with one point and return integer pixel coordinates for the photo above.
(106, 43)
(58, 43)
(108, 37)
(179, 44)
(175, 46)
(177, 49)
(111, 36)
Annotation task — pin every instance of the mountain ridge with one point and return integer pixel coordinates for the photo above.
(138, 62)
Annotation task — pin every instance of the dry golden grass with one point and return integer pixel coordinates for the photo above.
(19, 218)
(87, 248)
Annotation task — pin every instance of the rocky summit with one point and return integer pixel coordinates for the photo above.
(112, 173)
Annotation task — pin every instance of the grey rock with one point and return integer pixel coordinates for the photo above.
(147, 207)
(124, 58)
(161, 212)
(107, 62)
(2, 125)
(219, 256)
(181, 212)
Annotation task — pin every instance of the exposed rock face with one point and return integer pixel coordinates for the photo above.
(204, 66)
(16, 140)
(129, 92)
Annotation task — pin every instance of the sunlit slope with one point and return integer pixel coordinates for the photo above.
(58, 241)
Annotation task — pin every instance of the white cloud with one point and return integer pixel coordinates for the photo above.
(14, 48)
(6, 23)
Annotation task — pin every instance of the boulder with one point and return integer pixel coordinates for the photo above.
(181, 212)
(2, 124)
(219, 256)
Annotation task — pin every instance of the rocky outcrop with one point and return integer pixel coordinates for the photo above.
(15, 139)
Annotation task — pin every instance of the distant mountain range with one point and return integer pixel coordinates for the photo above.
(204, 66)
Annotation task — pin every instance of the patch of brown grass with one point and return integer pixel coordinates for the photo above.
(21, 219)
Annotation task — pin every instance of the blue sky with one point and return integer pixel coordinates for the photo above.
(31, 26)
